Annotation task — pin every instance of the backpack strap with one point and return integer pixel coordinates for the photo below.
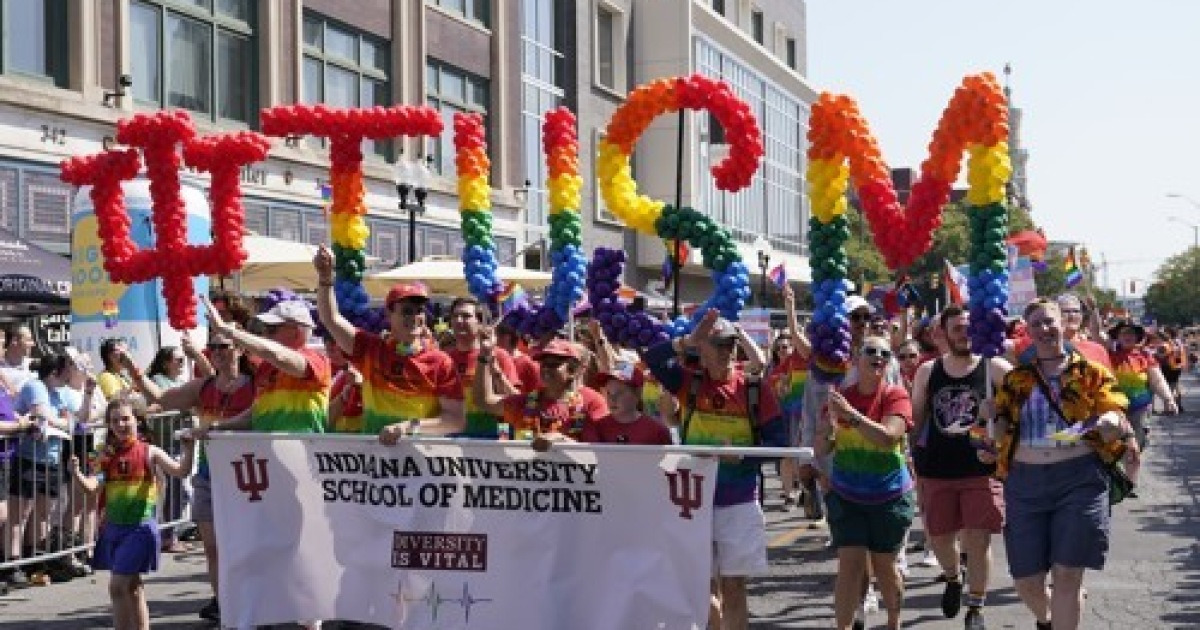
(753, 400)
(693, 393)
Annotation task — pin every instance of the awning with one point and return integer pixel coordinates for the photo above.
(444, 275)
(33, 280)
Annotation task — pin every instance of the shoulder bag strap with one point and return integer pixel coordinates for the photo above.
(692, 394)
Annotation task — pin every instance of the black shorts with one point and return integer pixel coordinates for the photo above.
(1171, 376)
(38, 479)
(4, 477)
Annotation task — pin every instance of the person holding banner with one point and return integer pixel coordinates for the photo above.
(128, 545)
(959, 499)
(870, 506)
(721, 406)
(293, 380)
(407, 381)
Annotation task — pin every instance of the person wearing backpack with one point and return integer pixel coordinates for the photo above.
(721, 405)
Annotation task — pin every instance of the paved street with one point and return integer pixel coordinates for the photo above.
(1152, 580)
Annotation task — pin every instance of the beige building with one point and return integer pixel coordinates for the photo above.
(69, 69)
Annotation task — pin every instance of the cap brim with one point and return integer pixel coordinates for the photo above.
(269, 318)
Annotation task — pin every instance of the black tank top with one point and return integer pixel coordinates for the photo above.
(944, 450)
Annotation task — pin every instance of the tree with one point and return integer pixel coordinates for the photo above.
(1174, 296)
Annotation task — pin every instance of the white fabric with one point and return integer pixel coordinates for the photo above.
(739, 540)
(302, 551)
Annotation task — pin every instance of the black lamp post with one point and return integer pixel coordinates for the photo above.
(763, 247)
(412, 177)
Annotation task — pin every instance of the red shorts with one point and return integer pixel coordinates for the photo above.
(951, 505)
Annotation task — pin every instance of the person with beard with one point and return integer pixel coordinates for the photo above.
(959, 498)
(407, 381)
(717, 410)
(466, 322)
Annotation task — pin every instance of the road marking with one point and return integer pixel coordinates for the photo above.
(790, 536)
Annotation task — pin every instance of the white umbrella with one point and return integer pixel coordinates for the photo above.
(274, 262)
(444, 275)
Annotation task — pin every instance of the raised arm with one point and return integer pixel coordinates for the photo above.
(286, 359)
(204, 367)
(339, 328)
(798, 336)
(176, 468)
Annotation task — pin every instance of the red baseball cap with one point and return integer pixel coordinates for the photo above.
(406, 291)
(558, 348)
(628, 373)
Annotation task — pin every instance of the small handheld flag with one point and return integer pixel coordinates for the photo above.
(1074, 275)
(778, 276)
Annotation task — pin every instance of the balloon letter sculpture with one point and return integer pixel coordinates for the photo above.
(173, 259)
(475, 208)
(730, 274)
(843, 149)
(346, 129)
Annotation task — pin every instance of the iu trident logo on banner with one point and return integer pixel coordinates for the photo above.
(688, 496)
(249, 480)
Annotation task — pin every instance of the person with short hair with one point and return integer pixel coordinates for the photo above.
(507, 337)
(128, 545)
(345, 395)
(960, 500)
(1074, 318)
(717, 409)
(467, 318)
(1139, 378)
(407, 380)
(15, 364)
(626, 423)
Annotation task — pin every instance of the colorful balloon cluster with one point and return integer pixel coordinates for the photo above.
(842, 149)
(730, 275)
(172, 259)
(829, 330)
(838, 135)
(346, 129)
(474, 202)
(624, 326)
(560, 143)
(647, 102)
(988, 171)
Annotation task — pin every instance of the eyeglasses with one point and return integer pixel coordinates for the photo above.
(872, 351)
(1071, 311)
(179, 359)
(411, 310)
(859, 316)
(553, 363)
(906, 356)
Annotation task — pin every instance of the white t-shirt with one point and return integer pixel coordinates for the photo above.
(16, 375)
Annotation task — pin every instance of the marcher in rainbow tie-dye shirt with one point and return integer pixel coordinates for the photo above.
(129, 543)
(407, 381)
(1139, 377)
(787, 377)
(871, 504)
(465, 323)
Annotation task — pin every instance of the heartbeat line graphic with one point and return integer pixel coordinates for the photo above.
(434, 600)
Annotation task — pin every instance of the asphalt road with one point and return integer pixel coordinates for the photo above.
(1152, 579)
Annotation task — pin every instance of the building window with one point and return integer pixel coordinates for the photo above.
(344, 67)
(606, 71)
(451, 90)
(473, 10)
(199, 55)
(35, 39)
(789, 48)
(718, 6)
(757, 25)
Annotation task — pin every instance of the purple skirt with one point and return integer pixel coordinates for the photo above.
(128, 549)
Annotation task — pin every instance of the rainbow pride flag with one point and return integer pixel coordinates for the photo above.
(1074, 274)
(512, 298)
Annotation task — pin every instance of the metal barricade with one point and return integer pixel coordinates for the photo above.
(48, 523)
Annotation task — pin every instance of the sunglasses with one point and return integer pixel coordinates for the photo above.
(859, 316)
(410, 310)
(219, 346)
(553, 363)
(871, 351)
(906, 356)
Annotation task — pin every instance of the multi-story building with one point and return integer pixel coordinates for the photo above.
(69, 69)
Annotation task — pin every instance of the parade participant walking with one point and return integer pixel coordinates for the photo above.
(292, 382)
(721, 406)
(959, 498)
(466, 321)
(128, 544)
(1138, 377)
(1173, 361)
(1073, 320)
(558, 410)
(407, 381)
(787, 377)
(871, 504)
(1059, 420)
(222, 401)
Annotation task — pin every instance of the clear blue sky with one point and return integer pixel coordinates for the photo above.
(1110, 92)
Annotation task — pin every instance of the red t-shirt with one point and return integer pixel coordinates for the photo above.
(568, 416)
(893, 401)
(465, 362)
(529, 373)
(351, 420)
(1093, 351)
(608, 430)
(400, 386)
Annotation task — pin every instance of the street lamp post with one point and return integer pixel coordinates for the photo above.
(763, 247)
(412, 177)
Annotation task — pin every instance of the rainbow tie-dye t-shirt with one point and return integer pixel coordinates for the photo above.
(479, 423)
(1132, 369)
(789, 379)
(400, 386)
(287, 404)
(130, 491)
(863, 471)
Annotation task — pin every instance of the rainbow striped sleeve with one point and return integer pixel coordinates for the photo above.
(287, 404)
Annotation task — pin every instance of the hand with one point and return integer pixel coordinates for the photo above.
(703, 329)
(323, 263)
(215, 321)
(188, 437)
(729, 459)
(839, 407)
(356, 377)
(73, 465)
(391, 434)
(987, 410)
(541, 443)
(789, 295)
(89, 385)
(200, 433)
(985, 456)
(487, 341)
(186, 344)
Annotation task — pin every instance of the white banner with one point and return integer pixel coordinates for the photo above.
(471, 535)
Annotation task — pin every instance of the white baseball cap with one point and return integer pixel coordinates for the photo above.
(855, 302)
(288, 311)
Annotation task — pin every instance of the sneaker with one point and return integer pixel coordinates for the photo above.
(788, 502)
(871, 601)
(952, 597)
(902, 565)
(860, 618)
(927, 560)
(77, 568)
(211, 611)
(15, 578)
(974, 619)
